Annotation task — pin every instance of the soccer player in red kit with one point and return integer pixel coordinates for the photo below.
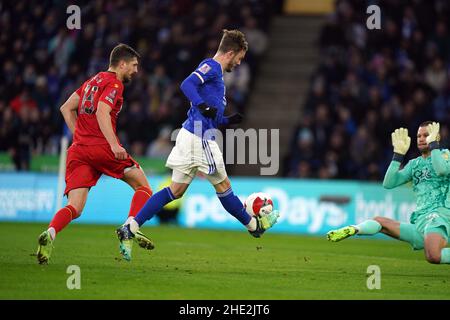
(91, 113)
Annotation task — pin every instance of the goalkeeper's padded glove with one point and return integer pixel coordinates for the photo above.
(206, 111)
(401, 141)
(264, 222)
(433, 135)
(235, 118)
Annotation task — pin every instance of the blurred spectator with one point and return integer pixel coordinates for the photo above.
(237, 84)
(436, 75)
(43, 62)
(61, 46)
(162, 146)
(7, 128)
(370, 82)
(23, 101)
(25, 132)
(257, 39)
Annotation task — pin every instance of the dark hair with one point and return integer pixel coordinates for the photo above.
(425, 123)
(122, 52)
(233, 40)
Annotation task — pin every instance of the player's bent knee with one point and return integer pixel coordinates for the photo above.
(385, 223)
(135, 177)
(143, 184)
(433, 257)
(145, 189)
(178, 190)
(226, 184)
(177, 193)
(223, 186)
(379, 219)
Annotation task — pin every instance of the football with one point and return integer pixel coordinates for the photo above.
(258, 203)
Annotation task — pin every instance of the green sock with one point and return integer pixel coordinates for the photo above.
(368, 227)
(445, 255)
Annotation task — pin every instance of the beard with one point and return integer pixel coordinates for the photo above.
(423, 149)
(126, 79)
(229, 68)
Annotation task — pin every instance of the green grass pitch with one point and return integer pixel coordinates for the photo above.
(211, 264)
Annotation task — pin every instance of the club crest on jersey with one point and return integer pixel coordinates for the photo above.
(112, 94)
(421, 175)
(204, 68)
(445, 156)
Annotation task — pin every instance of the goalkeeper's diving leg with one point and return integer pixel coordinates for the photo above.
(369, 227)
(401, 142)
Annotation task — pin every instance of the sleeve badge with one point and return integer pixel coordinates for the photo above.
(204, 68)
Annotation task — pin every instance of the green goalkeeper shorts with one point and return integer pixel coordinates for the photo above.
(435, 222)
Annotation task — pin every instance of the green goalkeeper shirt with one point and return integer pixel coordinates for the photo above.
(430, 179)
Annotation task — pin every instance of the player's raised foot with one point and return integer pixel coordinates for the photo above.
(45, 247)
(143, 241)
(264, 223)
(126, 241)
(341, 234)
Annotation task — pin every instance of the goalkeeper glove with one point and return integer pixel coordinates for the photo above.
(235, 118)
(208, 112)
(401, 142)
(433, 135)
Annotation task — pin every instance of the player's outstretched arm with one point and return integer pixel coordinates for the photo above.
(439, 158)
(69, 111)
(394, 176)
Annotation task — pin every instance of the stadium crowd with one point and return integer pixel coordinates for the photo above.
(43, 62)
(370, 82)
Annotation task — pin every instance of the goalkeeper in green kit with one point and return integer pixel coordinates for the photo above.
(430, 175)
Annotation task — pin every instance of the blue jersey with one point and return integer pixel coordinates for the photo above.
(205, 85)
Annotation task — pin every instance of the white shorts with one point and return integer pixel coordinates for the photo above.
(192, 154)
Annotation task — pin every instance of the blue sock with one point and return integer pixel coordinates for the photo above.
(154, 205)
(234, 206)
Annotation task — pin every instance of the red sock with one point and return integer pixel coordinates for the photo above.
(140, 197)
(63, 217)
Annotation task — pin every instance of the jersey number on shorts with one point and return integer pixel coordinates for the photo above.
(87, 104)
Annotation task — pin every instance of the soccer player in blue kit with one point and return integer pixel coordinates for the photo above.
(195, 151)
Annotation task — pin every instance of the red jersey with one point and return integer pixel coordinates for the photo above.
(104, 87)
